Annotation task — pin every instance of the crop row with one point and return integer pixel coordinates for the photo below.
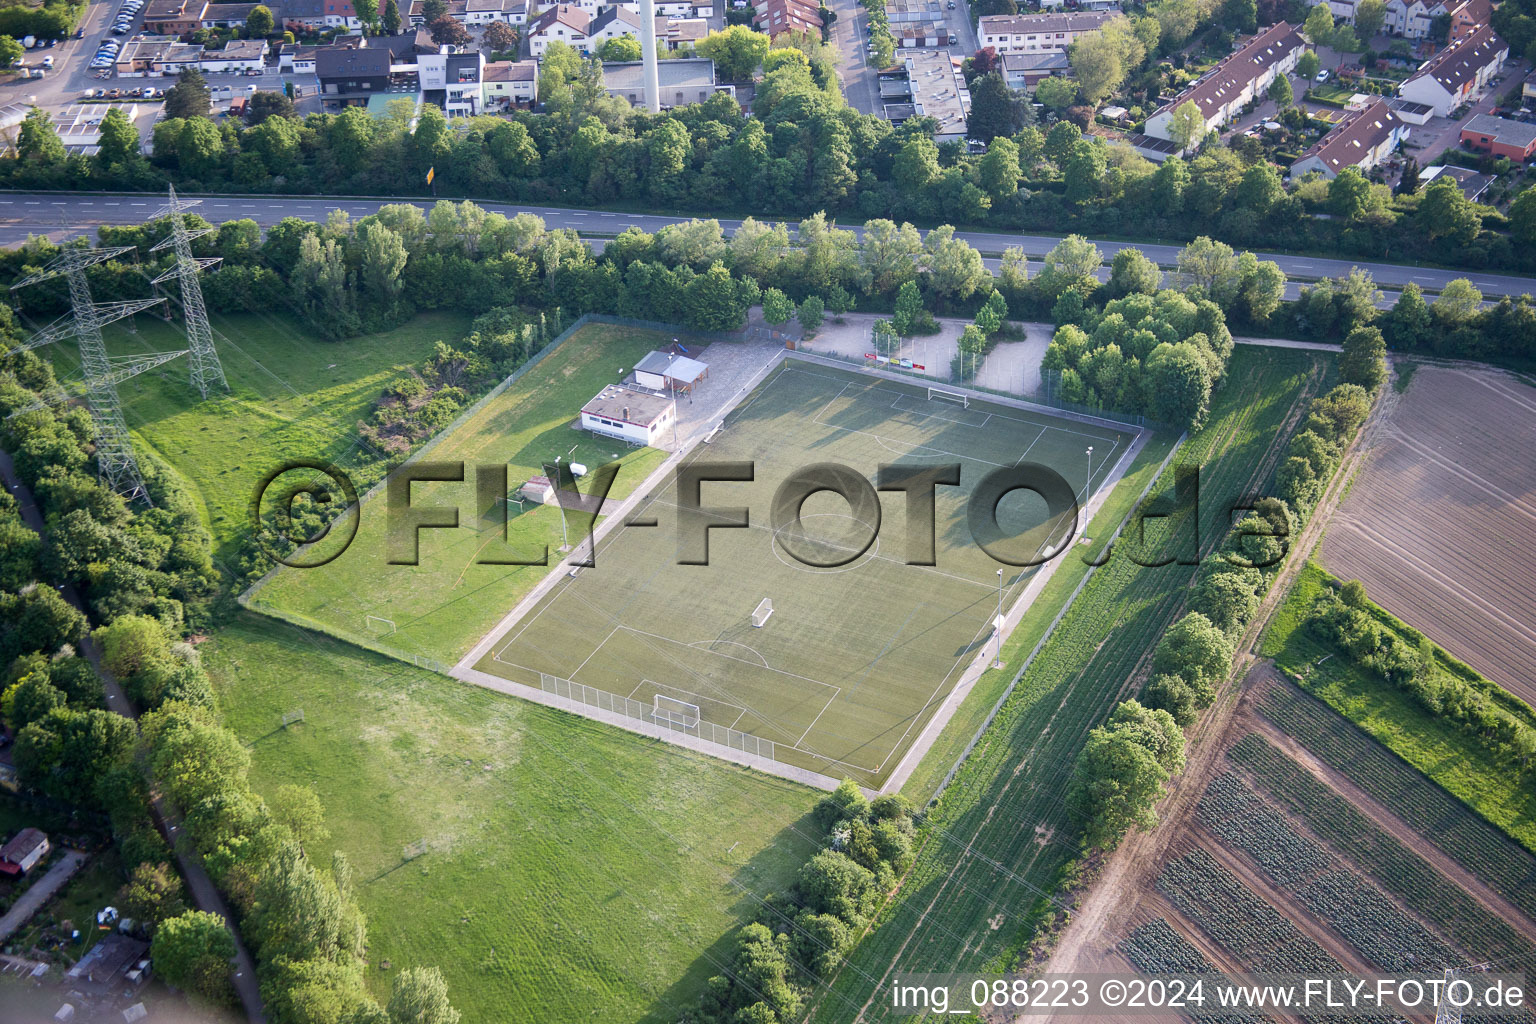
(983, 864)
(1460, 832)
(1157, 948)
(1400, 872)
(1245, 822)
(1242, 923)
(1375, 925)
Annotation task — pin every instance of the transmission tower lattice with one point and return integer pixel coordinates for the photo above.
(207, 371)
(114, 448)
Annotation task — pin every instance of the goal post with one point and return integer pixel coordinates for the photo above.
(378, 625)
(761, 614)
(674, 713)
(293, 717)
(963, 401)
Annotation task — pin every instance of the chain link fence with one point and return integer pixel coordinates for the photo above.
(709, 732)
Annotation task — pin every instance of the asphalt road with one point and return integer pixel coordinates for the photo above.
(64, 216)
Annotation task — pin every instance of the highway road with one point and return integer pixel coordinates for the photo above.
(61, 216)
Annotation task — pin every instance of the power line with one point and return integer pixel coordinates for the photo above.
(207, 371)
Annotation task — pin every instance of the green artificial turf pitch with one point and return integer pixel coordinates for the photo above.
(855, 658)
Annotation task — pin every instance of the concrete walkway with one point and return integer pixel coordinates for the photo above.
(40, 893)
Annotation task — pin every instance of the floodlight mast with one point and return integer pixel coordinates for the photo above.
(115, 461)
(207, 371)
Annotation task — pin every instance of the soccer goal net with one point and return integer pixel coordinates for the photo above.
(963, 401)
(677, 714)
(763, 611)
(293, 717)
(378, 625)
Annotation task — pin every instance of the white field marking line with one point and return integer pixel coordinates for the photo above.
(817, 417)
(896, 404)
(727, 657)
(589, 657)
(910, 447)
(808, 728)
(1031, 445)
(706, 644)
(875, 557)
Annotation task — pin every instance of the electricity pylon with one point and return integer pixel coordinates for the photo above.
(115, 460)
(207, 371)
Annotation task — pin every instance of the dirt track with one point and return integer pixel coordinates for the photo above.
(1440, 523)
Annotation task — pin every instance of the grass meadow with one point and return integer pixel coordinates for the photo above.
(292, 395)
(442, 605)
(573, 871)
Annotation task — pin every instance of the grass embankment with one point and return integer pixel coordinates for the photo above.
(574, 871)
(1459, 762)
(1000, 835)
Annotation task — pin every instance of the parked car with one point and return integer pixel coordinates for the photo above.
(1323, 75)
(48, 61)
(80, 33)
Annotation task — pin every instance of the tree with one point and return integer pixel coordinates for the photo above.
(889, 254)
(1132, 273)
(916, 165)
(1318, 27)
(192, 951)
(119, 139)
(1280, 90)
(1084, 171)
(712, 301)
(37, 620)
(777, 307)
(995, 109)
(131, 644)
(1349, 194)
(1410, 323)
(367, 11)
(420, 996)
(265, 104)
(447, 31)
(37, 141)
(954, 268)
(1070, 265)
(500, 37)
(1056, 92)
(10, 51)
(1213, 268)
(1195, 650)
(392, 19)
(1364, 359)
(1061, 141)
(1308, 65)
(1186, 125)
(1179, 380)
(259, 23)
(736, 50)
(1522, 216)
(152, 894)
(1122, 770)
(298, 809)
(1444, 212)
(1458, 302)
(1408, 183)
(1370, 16)
(810, 313)
(189, 97)
(909, 308)
(1101, 59)
(618, 49)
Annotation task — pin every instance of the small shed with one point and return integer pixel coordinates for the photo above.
(667, 371)
(539, 489)
(23, 852)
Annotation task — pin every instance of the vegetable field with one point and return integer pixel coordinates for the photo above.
(995, 846)
(1157, 949)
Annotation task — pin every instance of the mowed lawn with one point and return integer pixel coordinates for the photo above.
(293, 395)
(573, 871)
(439, 607)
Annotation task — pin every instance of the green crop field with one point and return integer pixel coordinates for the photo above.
(292, 395)
(1460, 763)
(573, 871)
(439, 607)
(990, 847)
(856, 656)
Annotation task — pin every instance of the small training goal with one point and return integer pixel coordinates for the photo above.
(378, 625)
(674, 713)
(763, 611)
(963, 401)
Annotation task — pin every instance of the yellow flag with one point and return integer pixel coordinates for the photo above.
(431, 173)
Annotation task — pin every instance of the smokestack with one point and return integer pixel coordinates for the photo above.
(648, 55)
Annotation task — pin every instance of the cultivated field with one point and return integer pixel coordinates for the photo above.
(990, 847)
(573, 871)
(1439, 524)
(857, 655)
(292, 395)
(440, 606)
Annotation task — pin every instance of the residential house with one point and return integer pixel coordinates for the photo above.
(416, 14)
(174, 17)
(1471, 183)
(483, 12)
(680, 82)
(237, 55)
(561, 22)
(927, 83)
(674, 34)
(1024, 71)
(1514, 140)
(508, 83)
(297, 58)
(351, 77)
(157, 57)
(451, 81)
(775, 17)
(234, 15)
(1363, 139)
(1415, 19)
(1239, 79)
(1458, 74)
(611, 23)
(24, 852)
(318, 15)
(1037, 33)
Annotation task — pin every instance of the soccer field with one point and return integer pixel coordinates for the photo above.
(855, 658)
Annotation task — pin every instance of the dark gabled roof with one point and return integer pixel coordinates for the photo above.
(572, 17)
(21, 844)
(332, 62)
(1460, 62)
(1046, 60)
(1238, 70)
(1357, 134)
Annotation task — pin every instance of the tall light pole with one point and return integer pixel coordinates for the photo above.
(1088, 480)
(565, 540)
(997, 623)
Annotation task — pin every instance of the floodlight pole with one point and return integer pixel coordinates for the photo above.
(565, 540)
(1088, 480)
(997, 661)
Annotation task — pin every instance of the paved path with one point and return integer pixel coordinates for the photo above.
(40, 892)
(204, 893)
(64, 215)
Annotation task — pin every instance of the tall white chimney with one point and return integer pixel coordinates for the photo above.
(648, 55)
